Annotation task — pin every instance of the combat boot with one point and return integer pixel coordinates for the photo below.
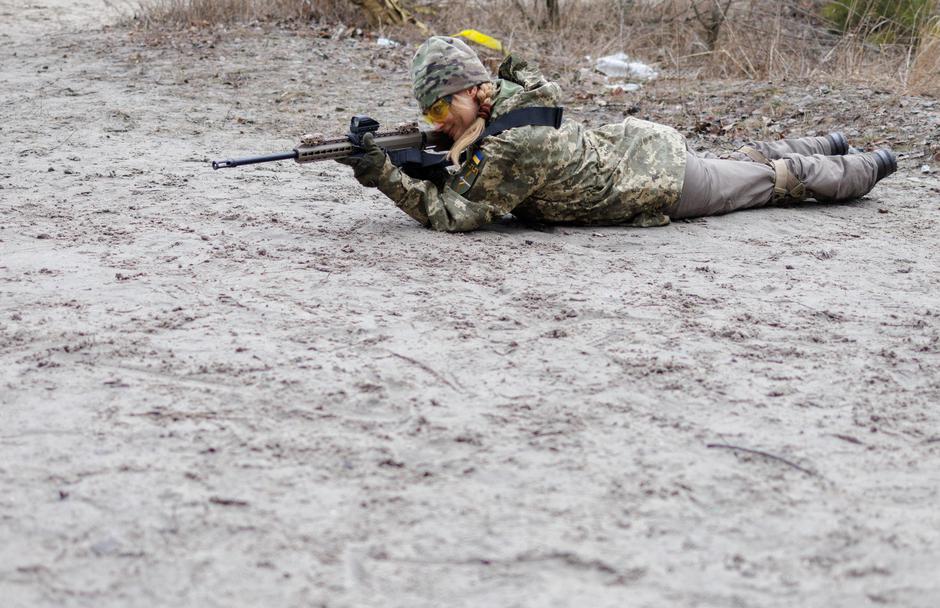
(830, 178)
(838, 144)
(887, 163)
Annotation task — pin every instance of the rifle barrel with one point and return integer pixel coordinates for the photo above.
(251, 160)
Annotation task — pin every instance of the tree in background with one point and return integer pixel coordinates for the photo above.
(711, 16)
(553, 18)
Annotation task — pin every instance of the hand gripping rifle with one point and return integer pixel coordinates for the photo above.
(407, 147)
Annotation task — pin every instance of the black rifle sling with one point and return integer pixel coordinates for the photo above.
(537, 116)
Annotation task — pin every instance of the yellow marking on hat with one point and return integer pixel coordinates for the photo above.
(481, 39)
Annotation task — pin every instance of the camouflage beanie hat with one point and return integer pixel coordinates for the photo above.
(444, 66)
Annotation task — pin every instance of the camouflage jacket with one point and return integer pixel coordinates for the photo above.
(626, 173)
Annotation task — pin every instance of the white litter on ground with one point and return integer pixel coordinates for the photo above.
(619, 65)
(626, 87)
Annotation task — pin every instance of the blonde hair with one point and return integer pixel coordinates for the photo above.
(484, 96)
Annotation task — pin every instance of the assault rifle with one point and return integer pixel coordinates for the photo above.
(407, 147)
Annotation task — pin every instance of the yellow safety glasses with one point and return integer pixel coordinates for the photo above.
(439, 110)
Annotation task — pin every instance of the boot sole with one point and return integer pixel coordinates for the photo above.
(838, 144)
(887, 163)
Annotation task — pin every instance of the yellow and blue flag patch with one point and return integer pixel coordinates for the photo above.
(463, 181)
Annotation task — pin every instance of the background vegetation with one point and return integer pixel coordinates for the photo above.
(889, 43)
(880, 20)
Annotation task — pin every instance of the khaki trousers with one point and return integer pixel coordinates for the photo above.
(714, 186)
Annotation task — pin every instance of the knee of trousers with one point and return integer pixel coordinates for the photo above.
(749, 153)
(787, 186)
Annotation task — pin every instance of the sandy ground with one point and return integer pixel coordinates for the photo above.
(269, 387)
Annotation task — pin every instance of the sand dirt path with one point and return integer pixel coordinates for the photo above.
(271, 388)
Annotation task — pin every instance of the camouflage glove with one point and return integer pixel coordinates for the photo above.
(367, 167)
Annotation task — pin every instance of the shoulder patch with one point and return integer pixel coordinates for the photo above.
(468, 174)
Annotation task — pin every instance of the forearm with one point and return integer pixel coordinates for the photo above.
(439, 208)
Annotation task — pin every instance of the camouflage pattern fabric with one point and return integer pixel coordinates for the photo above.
(621, 174)
(443, 66)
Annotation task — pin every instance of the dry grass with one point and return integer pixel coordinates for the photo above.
(758, 39)
(923, 77)
(761, 40)
(157, 14)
